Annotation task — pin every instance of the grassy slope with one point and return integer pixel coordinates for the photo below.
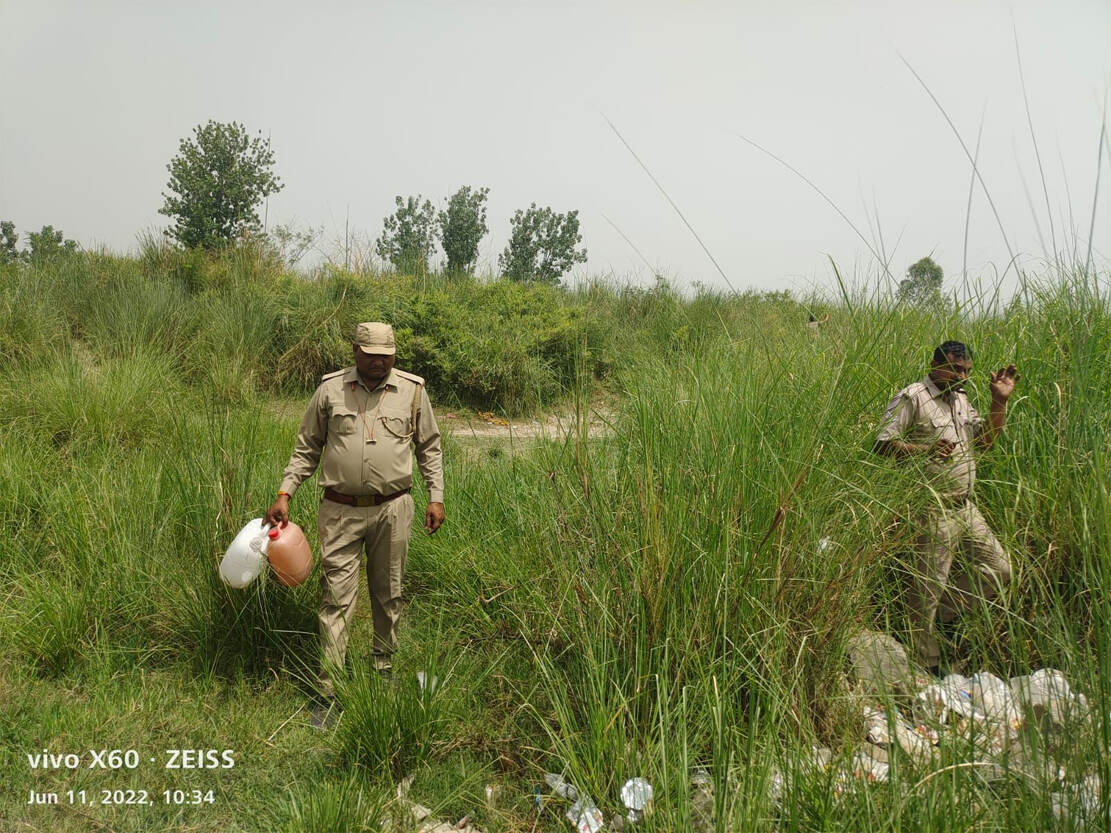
(609, 606)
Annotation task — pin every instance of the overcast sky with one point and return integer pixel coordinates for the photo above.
(367, 100)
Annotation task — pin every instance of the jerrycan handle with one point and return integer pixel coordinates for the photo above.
(259, 542)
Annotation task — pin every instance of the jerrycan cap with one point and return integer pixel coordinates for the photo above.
(273, 534)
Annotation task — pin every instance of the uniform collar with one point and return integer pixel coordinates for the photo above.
(938, 393)
(351, 377)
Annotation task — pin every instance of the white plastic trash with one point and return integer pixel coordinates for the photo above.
(918, 744)
(636, 795)
(1048, 692)
(560, 786)
(866, 766)
(959, 683)
(875, 724)
(949, 696)
(244, 559)
(994, 698)
(586, 817)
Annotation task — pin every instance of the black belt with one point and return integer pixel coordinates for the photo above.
(361, 500)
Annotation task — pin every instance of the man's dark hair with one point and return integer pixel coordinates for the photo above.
(952, 348)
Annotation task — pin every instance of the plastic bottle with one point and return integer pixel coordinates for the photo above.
(289, 554)
(245, 556)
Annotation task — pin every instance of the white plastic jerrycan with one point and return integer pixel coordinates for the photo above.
(244, 559)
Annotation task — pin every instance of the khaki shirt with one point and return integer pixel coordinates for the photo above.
(922, 413)
(361, 437)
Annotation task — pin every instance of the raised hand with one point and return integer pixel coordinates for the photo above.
(1003, 382)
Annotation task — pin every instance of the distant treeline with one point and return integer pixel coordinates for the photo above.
(243, 324)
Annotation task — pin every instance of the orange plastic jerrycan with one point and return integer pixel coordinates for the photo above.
(289, 554)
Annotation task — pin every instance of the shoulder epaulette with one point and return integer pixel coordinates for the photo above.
(412, 377)
(333, 374)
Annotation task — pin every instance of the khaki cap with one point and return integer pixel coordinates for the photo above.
(375, 338)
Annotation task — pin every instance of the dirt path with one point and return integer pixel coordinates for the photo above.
(487, 426)
(484, 428)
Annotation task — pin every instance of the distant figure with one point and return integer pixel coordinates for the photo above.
(814, 325)
(933, 418)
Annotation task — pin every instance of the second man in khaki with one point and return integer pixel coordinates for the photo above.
(933, 418)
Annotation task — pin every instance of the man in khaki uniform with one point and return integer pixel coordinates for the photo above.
(358, 427)
(933, 418)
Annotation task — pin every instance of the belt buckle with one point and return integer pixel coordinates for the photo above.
(364, 500)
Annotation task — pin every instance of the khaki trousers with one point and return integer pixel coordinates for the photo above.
(345, 531)
(938, 593)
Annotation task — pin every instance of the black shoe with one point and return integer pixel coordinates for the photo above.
(325, 714)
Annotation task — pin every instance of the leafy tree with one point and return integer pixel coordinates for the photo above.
(8, 241)
(289, 243)
(922, 286)
(541, 245)
(408, 237)
(47, 244)
(462, 226)
(217, 180)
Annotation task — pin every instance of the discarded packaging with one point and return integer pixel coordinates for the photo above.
(875, 723)
(878, 727)
(245, 556)
(560, 787)
(870, 764)
(585, 816)
(636, 795)
(946, 697)
(917, 742)
(1047, 692)
(820, 758)
(994, 698)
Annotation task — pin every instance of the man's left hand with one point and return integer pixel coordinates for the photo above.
(433, 517)
(1003, 383)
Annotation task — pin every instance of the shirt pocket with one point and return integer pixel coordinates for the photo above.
(342, 422)
(397, 424)
(941, 427)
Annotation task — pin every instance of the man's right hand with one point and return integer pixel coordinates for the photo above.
(944, 448)
(278, 513)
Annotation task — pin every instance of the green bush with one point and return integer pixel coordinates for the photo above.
(238, 324)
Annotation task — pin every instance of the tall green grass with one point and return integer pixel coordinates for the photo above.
(678, 623)
(642, 603)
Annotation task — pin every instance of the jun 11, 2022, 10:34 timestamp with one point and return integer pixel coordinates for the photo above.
(123, 797)
(129, 759)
